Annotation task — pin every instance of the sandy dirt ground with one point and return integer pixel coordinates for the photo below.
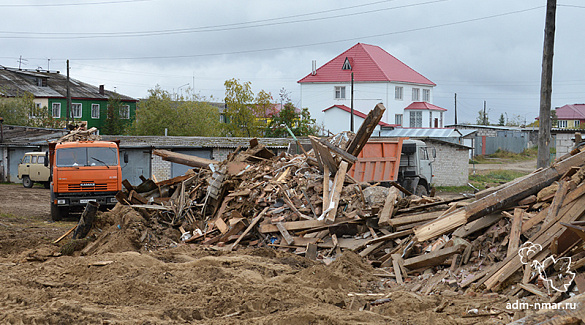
(526, 166)
(117, 281)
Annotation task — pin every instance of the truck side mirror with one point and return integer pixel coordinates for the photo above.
(434, 153)
(46, 162)
(125, 157)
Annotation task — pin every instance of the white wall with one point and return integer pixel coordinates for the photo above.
(319, 96)
(338, 120)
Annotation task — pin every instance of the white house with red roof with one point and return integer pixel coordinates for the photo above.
(570, 116)
(378, 78)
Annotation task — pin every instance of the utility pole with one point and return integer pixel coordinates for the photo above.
(68, 108)
(455, 108)
(351, 123)
(544, 137)
(485, 120)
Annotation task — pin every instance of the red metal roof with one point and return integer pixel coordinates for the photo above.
(369, 63)
(571, 112)
(356, 113)
(424, 105)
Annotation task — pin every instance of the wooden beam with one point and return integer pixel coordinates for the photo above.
(326, 177)
(351, 159)
(250, 227)
(365, 131)
(477, 225)
(388, 210)
(396, 267)
(405, 220)
(292, 225)
(324, 155)
(285, 234)
(432, 258)
(514, 239)
(184, 159)
(336, 194)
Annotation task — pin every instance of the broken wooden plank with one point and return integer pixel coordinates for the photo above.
(397, 270)
(514, 239)
(324, 155)
(405, 220)
(440, 226)
(433, 258)
(311, 252)
(285, 234)
(339, 152)
(388, 210)
(184, 159)
(292, 225)
(365, 131)
(336, 194)
(477, 225)
(390, 236)
(250, 227)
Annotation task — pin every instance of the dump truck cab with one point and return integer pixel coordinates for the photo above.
(83, 171)
(415, 171)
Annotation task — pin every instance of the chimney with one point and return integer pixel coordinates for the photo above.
(314, 67)
(102, 92)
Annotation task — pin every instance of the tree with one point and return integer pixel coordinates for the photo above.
(482, 118)
(22, 110)
(241, 114)
(300, 122)
(264, 107)
(113, 123)
(502, 120)
(193, 117)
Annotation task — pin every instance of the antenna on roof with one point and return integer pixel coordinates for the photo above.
(20, 61)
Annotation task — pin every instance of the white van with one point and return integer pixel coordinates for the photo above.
(32, 169)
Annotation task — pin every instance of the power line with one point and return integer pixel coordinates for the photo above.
(20, 5)
(206, 29)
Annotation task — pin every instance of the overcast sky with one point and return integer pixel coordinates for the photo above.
(480, 49)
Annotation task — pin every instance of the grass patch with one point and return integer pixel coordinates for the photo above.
(453, 189)
(494, 178)
(501, 156)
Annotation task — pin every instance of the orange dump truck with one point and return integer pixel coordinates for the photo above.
(398, 160)
(83, 171)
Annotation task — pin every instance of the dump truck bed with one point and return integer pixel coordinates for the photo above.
(378, 161)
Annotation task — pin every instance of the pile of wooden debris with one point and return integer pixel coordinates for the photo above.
(514, 237)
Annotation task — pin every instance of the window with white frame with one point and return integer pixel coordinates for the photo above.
(398, 91)
(35, 110)
(426, 95)
(95, 110)
(415, 94)
(577, 123)
(56, 110)
(562, 123)
(339, 92)
(398, 119)
(430, 119)
(416, 119)
(76, 110)
(125, 111)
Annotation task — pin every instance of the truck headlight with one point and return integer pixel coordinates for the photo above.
(61, 201)
(113, 200)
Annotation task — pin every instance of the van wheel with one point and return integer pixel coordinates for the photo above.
(421, 190)
(26, 182)
(57, 213)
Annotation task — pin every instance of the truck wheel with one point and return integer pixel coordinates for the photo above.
(26, 182)
(57, 213)
(421, 190)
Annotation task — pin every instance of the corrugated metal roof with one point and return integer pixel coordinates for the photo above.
(45, 84)
(571, 112)
(194, 142)
(368, 63)
(421, 133)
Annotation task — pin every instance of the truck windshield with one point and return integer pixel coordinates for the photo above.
(89, 156)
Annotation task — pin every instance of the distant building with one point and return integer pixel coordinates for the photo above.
(88, 103)
(378, 78)
(570, 116)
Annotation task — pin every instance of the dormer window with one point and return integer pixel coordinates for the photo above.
(346, 65)
(41, 82)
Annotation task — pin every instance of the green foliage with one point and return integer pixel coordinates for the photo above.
(22, 110)
(241, 114)
(300, 123)
(183, 117)
(502, 120)
(482, 118)
(494, 178)
(113, 123)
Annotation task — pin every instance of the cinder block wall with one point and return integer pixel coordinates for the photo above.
(161, 169)
(451, 167)
(564, 143)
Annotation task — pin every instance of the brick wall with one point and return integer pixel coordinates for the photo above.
(451, 167)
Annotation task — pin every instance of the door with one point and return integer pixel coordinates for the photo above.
(425, 167)
(38, 171)
(24, 166)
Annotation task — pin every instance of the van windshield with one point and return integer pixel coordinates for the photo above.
(88, 156)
